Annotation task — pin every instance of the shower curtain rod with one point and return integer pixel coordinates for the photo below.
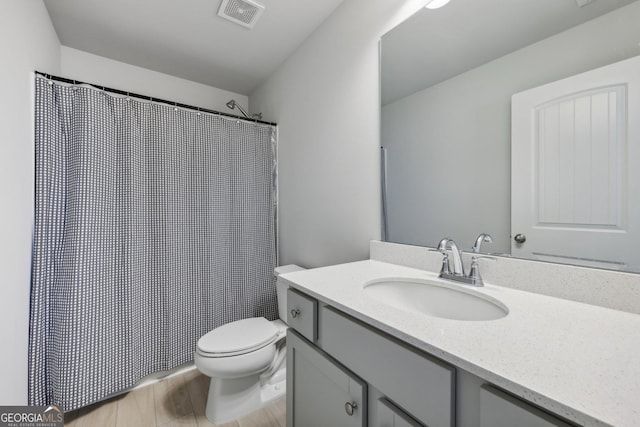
(151, 98)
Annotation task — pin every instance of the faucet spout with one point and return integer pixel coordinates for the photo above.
(484, 237)
(447, 243)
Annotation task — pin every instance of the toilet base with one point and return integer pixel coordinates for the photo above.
(230, 399)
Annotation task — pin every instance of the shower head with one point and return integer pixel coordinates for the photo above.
(232, 105)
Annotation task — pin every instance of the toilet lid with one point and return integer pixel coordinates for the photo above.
(238, 337)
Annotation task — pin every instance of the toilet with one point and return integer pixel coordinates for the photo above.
(246, 361)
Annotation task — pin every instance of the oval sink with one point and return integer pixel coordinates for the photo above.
(436, 299)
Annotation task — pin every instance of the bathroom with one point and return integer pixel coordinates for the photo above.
(324, 96)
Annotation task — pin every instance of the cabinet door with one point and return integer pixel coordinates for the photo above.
(421, 384)
(498, 409)
(321, 393)
(389, 415)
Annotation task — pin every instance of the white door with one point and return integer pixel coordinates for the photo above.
(575, 169)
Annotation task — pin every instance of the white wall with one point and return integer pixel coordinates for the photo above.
(28, 42)
(450, 144)
(326, 100)
(89, 68)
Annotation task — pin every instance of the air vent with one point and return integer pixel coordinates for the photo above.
(242, 12)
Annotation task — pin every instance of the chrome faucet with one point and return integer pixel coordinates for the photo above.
(457, 272)
(447, 243)
(484, 237)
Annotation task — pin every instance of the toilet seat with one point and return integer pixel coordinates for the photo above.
(239, 337)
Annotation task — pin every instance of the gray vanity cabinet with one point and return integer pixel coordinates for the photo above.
(320, 393)
(342, 372)
(389, 415)
(302, 314)
(499, 409)
(421, 384)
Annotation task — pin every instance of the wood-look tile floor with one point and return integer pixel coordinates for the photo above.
(175, 401)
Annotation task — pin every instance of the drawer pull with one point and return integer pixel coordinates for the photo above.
(350, 407)
(295, 313)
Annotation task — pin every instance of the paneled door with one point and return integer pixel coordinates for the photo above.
(575, 169)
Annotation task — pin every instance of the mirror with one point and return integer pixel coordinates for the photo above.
(447, 80)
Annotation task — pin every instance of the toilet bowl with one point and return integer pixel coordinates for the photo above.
(246, 361)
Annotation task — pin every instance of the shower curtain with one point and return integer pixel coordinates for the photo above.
(153, 225)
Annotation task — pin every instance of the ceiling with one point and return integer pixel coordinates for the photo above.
(435, 45)
(187, 39)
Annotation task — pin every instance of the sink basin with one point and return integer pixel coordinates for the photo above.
(435, 298)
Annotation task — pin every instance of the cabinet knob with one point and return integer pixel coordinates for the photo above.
(295, 313)
(350, 407)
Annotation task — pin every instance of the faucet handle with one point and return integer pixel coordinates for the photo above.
(474, 270)
(445, 261)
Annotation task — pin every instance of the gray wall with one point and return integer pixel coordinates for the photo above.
(325, 98)
(449, 145)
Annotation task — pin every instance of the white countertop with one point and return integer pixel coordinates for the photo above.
(577, 360)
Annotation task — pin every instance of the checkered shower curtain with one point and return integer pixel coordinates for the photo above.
(153, 225)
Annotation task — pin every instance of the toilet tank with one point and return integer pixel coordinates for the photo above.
(281, 288)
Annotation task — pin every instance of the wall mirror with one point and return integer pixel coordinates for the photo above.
(467, 86)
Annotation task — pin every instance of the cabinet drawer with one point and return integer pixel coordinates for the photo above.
(499, 409)
(302, 312)
(422, 385)
(389, 415)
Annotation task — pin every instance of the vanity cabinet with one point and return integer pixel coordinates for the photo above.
(302, 314)
(499, 409)
(321, 393)
(343, 372)
(421, 384)
(389, 415)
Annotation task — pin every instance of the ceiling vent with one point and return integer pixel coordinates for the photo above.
(242, 12)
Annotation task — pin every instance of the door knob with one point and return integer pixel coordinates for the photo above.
(295, 313)
(520, 238)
